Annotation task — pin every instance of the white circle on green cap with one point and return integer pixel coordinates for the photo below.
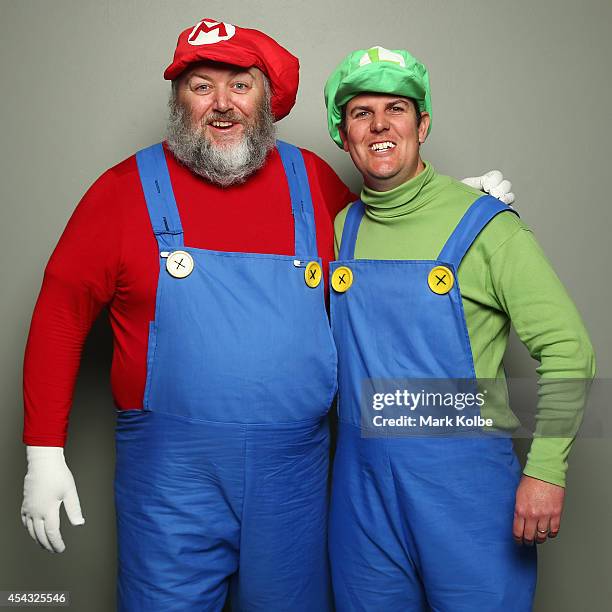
(380, 54)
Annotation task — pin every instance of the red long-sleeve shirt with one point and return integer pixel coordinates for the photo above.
(108, 255)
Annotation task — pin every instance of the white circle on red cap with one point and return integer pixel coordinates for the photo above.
(209, 32)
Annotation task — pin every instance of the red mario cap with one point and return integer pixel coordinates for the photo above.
(218, 41)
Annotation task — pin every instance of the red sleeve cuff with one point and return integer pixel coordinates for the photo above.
(44, 440)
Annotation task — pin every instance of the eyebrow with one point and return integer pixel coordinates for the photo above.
(392, 103)
(402, 100)
(203, 75)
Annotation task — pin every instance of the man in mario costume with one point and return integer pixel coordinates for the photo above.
(210, 251)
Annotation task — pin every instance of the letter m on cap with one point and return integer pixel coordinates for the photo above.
(209, 31)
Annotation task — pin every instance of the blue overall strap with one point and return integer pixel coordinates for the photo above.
(349, 231)
(159, 196)
(472, 223)
(301, 201)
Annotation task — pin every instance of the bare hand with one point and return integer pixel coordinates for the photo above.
(537, 511)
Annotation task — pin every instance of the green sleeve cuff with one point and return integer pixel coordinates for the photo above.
(547, 459)
(552, 476)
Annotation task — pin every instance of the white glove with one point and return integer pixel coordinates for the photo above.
(492, 182)
(47, 484)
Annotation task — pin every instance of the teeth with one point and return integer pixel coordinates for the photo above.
(222, 123)
(381, 146)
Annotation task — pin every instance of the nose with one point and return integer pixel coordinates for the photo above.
(222, 100)
(379, 122)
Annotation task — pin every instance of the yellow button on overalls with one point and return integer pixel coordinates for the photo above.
(342, 279)
(312, 274)
(440, 280)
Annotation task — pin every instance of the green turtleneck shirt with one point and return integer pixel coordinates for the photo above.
(504, 278)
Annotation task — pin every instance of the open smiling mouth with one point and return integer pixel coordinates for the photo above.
(382, 146)
(223, 125)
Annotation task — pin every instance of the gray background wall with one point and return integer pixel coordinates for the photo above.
(519, 85)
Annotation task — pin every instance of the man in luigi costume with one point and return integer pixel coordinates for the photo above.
(430, 274)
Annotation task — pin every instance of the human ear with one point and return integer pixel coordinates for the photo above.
(424, 126)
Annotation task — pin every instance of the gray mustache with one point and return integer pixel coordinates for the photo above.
(222, 117)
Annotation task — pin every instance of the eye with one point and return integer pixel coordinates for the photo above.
(241, 86)
(201, 87)
(360, 114)
(397, 108)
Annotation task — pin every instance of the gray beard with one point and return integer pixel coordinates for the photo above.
(222, 165)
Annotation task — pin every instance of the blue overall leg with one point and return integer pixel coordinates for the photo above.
(179, 488)
(372, 563)
(300, 581)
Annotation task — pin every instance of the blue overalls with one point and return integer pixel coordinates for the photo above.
(418, 522)
(221, 480)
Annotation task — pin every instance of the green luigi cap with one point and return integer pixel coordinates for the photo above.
(376, 70)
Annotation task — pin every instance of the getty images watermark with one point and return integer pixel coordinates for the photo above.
(520, 407)
(419, 405)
